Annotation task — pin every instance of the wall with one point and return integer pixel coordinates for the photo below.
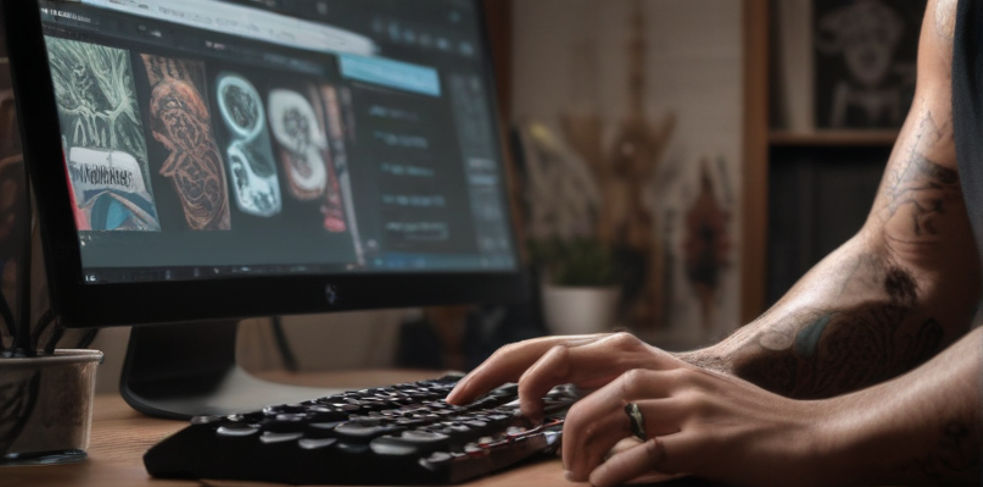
(570, 54)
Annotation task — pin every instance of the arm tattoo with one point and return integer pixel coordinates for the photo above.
(922, 199)
(957, 454)
(829, 352)
(919, 195)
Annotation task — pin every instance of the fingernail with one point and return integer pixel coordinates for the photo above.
(568, 475)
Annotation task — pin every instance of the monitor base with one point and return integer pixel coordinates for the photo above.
(183, 370)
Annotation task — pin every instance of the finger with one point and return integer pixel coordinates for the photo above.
(590, 443)
(506, 365)
(587, 364)
(584, 451)
(633, 385)
(671, 454)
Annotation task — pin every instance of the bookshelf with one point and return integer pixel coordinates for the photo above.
(807, 189)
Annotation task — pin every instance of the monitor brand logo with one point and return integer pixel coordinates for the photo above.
(331, 294)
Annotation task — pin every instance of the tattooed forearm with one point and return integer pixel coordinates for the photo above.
(820, 353)
(878, 309)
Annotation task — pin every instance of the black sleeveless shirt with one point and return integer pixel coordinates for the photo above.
(967, 109)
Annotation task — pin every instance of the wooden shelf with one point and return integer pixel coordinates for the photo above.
(833, 138)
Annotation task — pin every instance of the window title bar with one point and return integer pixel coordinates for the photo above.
(246, 22)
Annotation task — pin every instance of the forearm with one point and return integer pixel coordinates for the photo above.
(858, 318)
(924, 426)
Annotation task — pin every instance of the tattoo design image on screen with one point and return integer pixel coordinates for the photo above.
(249, 153)
(181, 122)
(304, 154)
(103, 137)
(338, 203)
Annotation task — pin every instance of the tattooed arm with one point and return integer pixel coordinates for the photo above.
(900, 290)
(924, 426)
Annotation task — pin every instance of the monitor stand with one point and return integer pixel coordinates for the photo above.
(189, 369)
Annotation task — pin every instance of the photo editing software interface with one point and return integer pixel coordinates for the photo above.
(207, 138)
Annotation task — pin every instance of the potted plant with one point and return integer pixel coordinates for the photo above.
(580, 287)
(45, 393)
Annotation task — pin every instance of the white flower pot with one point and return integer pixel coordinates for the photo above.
(570, 310)
(48, 407)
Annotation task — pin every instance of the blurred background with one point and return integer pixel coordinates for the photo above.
(677, 165)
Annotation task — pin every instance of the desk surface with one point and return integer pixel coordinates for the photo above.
(121, 435)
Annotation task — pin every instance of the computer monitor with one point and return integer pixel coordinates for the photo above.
(203, 160)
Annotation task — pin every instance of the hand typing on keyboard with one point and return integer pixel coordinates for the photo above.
(691, 420)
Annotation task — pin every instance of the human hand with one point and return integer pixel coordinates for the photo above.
(697, 422)
(539, 364)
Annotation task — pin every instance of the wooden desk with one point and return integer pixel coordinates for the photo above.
(121, 435)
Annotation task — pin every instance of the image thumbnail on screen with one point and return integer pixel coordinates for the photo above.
(249, 153)
(300, 133)
(181, 122)
(103, 137)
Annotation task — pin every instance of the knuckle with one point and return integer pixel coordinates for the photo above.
(497, 355)
(634, 375)
(623, 339)
(553, 365)
(574, 419)
(527, 386)
(590, 429)
(507, 349)
(575, 412)
(559, 361)
(632, 382)
(695, 403)
(559, 351)
(655, 451)
(682, 376)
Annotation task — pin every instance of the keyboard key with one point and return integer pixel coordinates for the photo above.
(269, 437)
(316, 443)
(236, 430)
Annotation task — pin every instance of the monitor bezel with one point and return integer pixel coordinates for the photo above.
(107, 304)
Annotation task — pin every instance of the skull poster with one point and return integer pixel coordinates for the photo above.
(865, 61)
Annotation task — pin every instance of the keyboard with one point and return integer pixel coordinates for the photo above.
(399, 434)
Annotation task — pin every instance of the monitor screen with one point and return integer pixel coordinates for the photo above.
(208, 139)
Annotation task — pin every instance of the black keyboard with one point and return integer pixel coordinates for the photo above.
(399, 434)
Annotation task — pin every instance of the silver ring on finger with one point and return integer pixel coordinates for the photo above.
(636, 420)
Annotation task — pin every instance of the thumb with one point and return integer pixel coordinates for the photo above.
(667, 455)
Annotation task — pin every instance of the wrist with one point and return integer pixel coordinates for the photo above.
(838, 437)
(711, 358)
(725, 355)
